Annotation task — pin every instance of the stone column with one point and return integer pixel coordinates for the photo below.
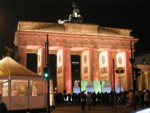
(129, 70)
(94, 62)
(146, 76)
(67, 71)
(114, 76)
(148, 73)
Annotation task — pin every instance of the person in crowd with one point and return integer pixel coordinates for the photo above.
(146, 98)
(129, 97)
(64, 96)
(88, 98)
(141, 96)
(3, 107)
(69, 97)
(83, 101)
(111, 99)
(93, 96)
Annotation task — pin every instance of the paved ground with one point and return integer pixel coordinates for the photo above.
(97, 109)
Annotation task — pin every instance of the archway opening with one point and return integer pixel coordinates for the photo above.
(76, 76)
(32, 62)
(52, 63)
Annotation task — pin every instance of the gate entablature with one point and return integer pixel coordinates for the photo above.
(67, 40)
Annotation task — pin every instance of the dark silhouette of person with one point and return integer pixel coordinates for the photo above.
(88, 97)
(69, 97)
(3, 107)
(111, 99)
(146, 98)
(83, 101)
(93, 96)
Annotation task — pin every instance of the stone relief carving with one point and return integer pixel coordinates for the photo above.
(73, 41)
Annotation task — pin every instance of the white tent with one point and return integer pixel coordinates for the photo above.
(8, 66)
(22, 89)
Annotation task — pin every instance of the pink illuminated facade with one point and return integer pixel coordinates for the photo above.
(97, 47)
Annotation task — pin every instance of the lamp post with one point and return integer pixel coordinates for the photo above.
(132, 60)
(47, 73)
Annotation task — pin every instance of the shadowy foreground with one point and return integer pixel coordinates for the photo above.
(94, 109)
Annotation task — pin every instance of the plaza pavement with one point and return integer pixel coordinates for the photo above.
(67, 108)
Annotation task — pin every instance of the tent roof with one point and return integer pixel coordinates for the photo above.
(8, 66)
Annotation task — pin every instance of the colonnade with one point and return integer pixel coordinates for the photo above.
(96, 65)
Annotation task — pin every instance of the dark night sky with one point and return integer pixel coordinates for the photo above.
(130, 14)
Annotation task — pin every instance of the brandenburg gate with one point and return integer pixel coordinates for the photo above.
(102, 50)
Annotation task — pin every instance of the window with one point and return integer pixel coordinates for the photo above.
(4, 87)
(37, 87)
(19, 88)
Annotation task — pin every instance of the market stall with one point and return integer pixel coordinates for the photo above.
(21, 88)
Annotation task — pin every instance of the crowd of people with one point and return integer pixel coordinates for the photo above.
(142, 98)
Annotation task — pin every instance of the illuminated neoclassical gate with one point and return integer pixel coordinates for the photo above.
(96, 45)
